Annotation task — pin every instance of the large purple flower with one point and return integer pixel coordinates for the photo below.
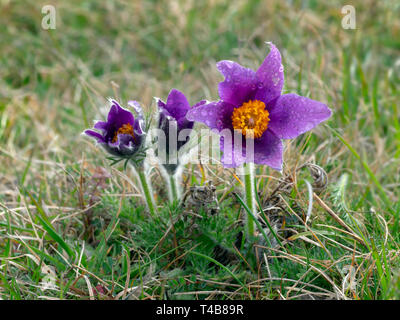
(251, 104)
(121, 135)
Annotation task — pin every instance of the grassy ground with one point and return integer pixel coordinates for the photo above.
(86, 234)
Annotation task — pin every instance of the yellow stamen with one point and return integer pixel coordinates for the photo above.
(251, 118)
(125, 129)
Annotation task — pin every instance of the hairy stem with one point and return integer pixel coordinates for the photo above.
(146, 191)
(250, 196)
(173, 187)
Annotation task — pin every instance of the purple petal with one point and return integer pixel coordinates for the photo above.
(199, 103)
(101, 125)
(269, 150)
(239, 85)
(163, 115)
(292, 115)
(118, 116)
(206, 113)
(232, 156)
(177, 105)
(138, 127)
(160, 103)
(96, 135)
(237, 150)
(186, 124)
(137, 107)
(270, 76)
(216, 115)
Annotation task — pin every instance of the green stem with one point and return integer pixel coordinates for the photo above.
(146, 191)
(173, 188)
(250, 196)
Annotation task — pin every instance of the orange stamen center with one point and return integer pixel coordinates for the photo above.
(125, 129)
(251, 118)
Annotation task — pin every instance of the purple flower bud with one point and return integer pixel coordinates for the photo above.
(172, 121)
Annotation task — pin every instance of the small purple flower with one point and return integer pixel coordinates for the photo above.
(251, 103)
(121, 135)
(174, 110)
(172, 122)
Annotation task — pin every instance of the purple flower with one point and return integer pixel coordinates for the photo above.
(121, 135)
(251, 103)
(173, 116)
(172, 122)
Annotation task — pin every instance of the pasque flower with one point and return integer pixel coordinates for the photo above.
(121, 135)
(252, 103)
(174, 109)
(172, 121)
